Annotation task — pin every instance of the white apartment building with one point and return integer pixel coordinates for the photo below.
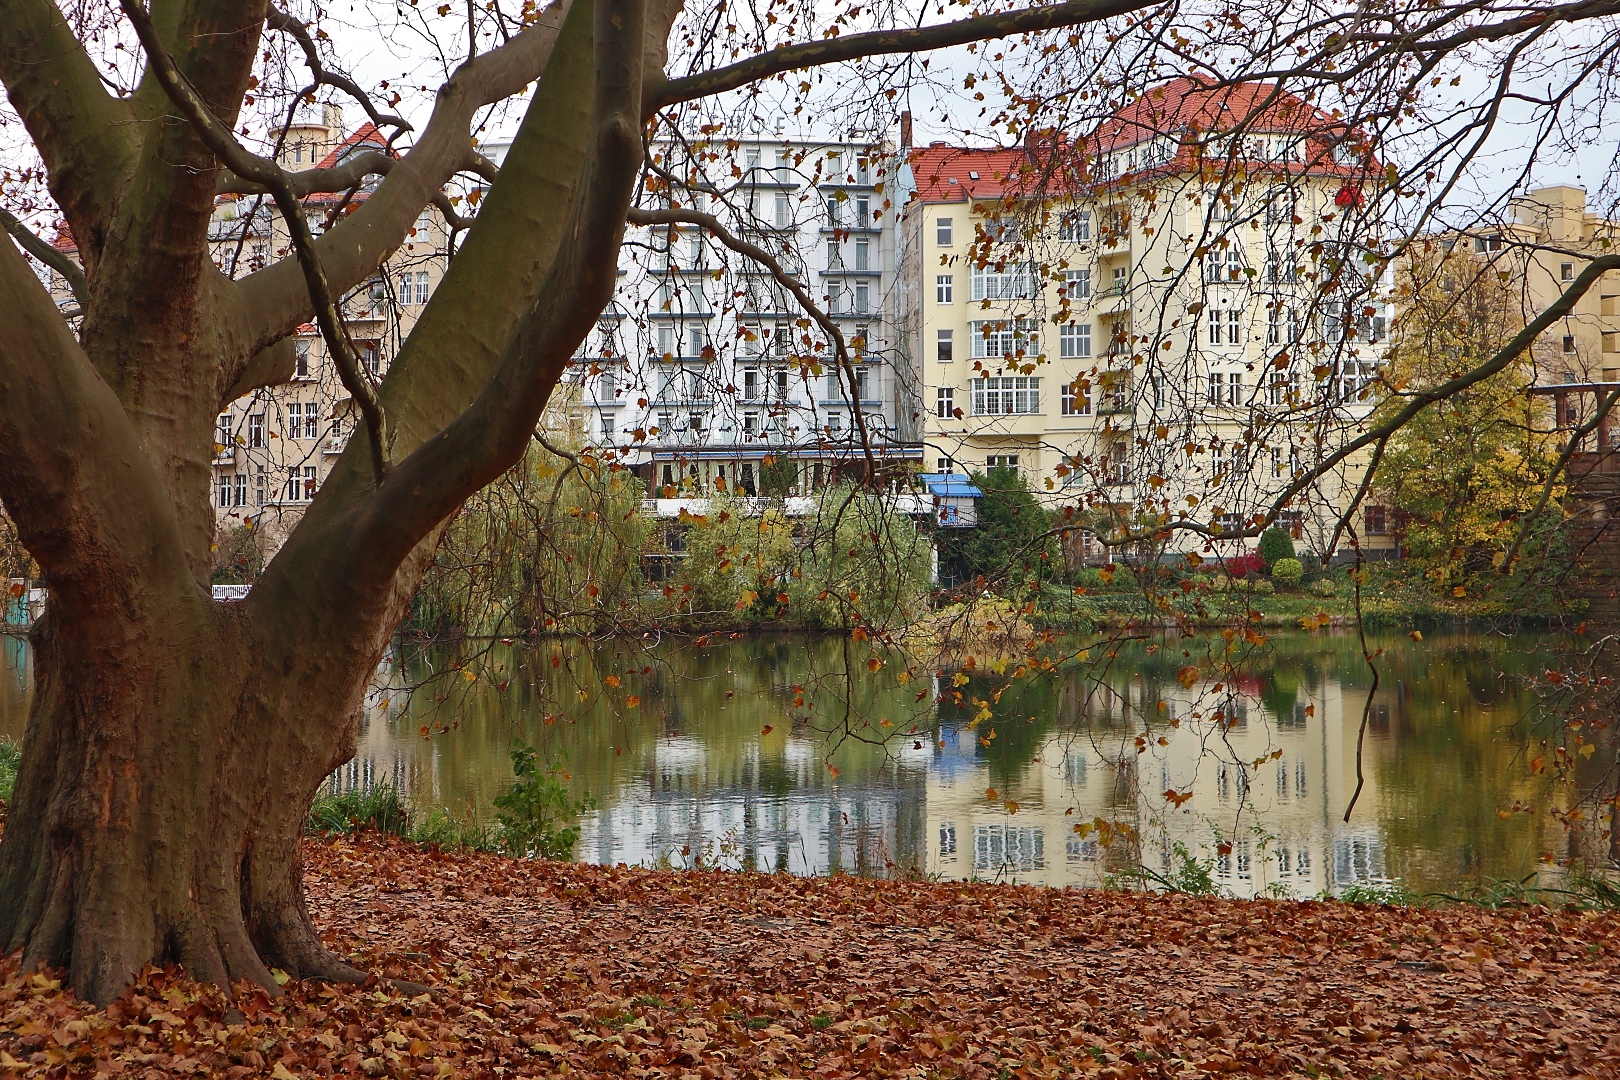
(705, 365)
(1147, 313)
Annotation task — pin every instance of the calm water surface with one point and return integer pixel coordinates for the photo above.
(788, 753)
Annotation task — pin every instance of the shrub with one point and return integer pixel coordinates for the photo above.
(1325, 587)
(443, 829)
(380, 808)
(1245, 565)
(1287, 573)
(537, 813)
(1275, 545)
(10, 758)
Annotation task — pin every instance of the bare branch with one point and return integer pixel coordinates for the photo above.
(277, 19)
(764, 258)
(887, 42)
(59, 261)
(264, 171)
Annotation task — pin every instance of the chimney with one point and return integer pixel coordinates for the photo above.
(905, 130)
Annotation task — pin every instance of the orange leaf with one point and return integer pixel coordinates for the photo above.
(633, 700)
(766, 730)
(611, 681)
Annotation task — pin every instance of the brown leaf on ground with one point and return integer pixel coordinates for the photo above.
(543, 968)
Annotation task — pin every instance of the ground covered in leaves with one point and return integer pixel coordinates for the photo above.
(543, 969)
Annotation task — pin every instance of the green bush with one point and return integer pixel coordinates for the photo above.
(1287, 573)
(10, 758)
(380, 808)
(1276, 545)
(537, 813)
(1325, 587)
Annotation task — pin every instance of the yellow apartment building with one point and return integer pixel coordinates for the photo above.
(1170, 317)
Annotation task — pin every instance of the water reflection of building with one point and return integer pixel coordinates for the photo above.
(1266, 784)
(758, 811)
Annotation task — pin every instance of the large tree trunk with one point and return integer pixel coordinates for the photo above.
(161, 804)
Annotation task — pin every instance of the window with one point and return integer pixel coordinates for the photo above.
(1225, 388)
(1278, 385)
(943, 464)
(369, 356)
(1566, 271)
(1001, 461)
(942, 232)
(942, 289)
(863, 171)
(1010, 284)
(1075, 226)
(782, 383)
(222, 434)
(784, 212)
(750, 383)
(1377, 523)
(999, 338)
(1076, 402)
(1006, 395)
(1074, 341)
(1077, 285)
(421, 287)
(258, 487)
(295, 420)
(694, 422)
(1120, 274)
(224, 489)
(312, 424)
(945, 403)
(750, 422)
(309, 483)
(835, 212)
(301, 358)
(781, 340)
(1487, 243)
(1569, 343)
(407, 287)
(1224, 265)
(256, 431)
(863, 254)
(835, 297)
(1226, 327)
(863, 297)
(835, 422)
(863, 212)
(943, 346)
(239, 492)
(607, 427)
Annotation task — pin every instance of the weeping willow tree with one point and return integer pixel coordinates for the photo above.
(554, 546)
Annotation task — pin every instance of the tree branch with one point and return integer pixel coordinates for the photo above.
(276, 19)
(764, 258)
(82, 132)
(887, 42)
(59, 261)
(264, 171)
(490, 435)
(354, 248)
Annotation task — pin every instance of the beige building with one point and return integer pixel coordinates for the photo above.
(1549, 238)
(276, 445)
(1146, 323)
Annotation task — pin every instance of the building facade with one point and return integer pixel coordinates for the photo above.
(705, 369)
(1138, 312)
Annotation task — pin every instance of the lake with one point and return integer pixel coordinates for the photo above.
(792, 753)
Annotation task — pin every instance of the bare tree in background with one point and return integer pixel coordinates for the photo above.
(174, 743)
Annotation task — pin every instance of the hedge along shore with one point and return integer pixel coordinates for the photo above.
(550, 969)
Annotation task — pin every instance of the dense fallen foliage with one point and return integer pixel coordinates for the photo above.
(550, 968)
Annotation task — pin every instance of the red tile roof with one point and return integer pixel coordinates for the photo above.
(367, 133)
(1190, 105)
(1182, 108)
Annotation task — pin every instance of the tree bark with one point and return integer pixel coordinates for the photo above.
(159, 810)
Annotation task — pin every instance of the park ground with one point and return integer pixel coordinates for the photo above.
(550, 969)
